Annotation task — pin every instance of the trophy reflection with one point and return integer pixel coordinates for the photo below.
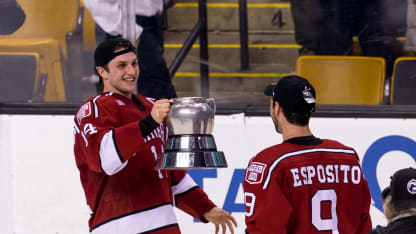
(190, 143)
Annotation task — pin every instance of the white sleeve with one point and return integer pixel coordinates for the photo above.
(111, 161)
(108, 15)
(184, 185)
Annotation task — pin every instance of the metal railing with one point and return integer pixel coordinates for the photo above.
(200, 30)
(244, 63)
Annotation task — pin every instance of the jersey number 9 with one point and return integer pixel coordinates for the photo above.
(330, 224)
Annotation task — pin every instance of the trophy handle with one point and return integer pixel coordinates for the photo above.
(211, 103)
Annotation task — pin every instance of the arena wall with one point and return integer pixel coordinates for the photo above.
(40, 190)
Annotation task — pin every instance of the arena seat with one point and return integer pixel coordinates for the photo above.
(344, 80)
(47, 19)
(48, 30)
(404, 82)
(50, 62)
(18, 76)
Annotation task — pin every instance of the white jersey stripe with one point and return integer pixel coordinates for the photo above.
(296, 153)
(184, 185)
(139, 222)
(110, 160)
(76, 127)
(78, 131)
(152, 100)
(95, 106)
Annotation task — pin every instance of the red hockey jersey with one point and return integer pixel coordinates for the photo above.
(306, 185)
(116, 163)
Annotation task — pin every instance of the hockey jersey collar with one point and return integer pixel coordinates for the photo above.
(304, 140)
(136, 100)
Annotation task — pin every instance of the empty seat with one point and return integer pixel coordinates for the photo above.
(18, 73)
(344, 80)
(404, 82)
(48, 31)
(50, 63)
(48, 19)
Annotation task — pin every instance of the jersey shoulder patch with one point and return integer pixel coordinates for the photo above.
(84, 111)
(255, 172)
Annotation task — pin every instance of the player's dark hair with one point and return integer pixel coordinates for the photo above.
(300, 119)
(100, 85)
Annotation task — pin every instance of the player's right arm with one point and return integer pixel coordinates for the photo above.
(100, 141)
(267, 208)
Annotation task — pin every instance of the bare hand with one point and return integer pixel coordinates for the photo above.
(160, 110)
(221, 217)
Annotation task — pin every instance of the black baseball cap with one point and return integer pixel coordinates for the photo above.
(403, 189)
(104, 52)
(293, 93)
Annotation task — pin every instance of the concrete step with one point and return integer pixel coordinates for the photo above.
(272, 49)
(226, 89)
(253, 80)
(224, 16)
(224, 50)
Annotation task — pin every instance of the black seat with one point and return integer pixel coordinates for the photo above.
(404, 82)
(18, 72)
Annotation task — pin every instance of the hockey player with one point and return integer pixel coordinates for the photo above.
(304, 184)
(117, 137)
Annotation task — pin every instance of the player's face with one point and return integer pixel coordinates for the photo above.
(122, 74)
(274, 117)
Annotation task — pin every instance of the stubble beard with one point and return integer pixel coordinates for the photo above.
(276, 123)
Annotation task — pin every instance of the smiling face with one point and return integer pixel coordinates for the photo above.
(121, 74)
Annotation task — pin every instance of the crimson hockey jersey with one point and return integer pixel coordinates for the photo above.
(116, 164)
(306, 185)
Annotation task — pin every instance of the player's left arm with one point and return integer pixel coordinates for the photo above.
(190, 198)
(221, 217)
(365, 221)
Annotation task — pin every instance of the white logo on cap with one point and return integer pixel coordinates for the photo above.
(411, 186)
(307, 95)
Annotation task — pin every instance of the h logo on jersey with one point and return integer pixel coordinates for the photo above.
(255, 172)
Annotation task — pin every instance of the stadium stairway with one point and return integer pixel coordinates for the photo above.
(272, 48)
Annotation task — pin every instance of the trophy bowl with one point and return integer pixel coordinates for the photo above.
(190, 143)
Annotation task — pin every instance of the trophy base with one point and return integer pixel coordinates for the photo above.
(190, 160)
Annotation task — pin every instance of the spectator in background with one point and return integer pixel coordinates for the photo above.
(11, 16)
(399, 204)
(386, 200)
(410, 44)
(141, 22)
(393, 22)
(328, 27)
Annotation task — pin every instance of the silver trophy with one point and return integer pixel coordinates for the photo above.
(190, 143)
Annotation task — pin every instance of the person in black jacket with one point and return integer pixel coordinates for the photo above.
(12, 16)
(399, 204)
